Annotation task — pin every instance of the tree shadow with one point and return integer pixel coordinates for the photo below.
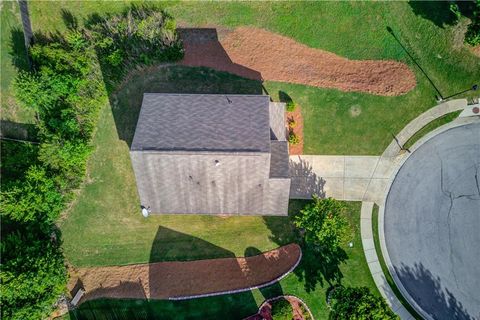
(273, 290)
(17, 50)
(440, 12)
(305, 182)
(20, 131)
(430, 295)
(437, 12)
(70, 21)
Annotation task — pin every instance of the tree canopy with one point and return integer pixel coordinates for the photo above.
(358, 304)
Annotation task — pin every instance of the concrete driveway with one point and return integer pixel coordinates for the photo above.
(432, 224)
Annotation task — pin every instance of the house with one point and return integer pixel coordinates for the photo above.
(211, 154)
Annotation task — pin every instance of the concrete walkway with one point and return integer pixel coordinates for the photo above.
(374, 264)
(353, 178)
(421, 121)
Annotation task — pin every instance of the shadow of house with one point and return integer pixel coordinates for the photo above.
(273, 290)
(305, 182)
(431, 296)
(203, 49)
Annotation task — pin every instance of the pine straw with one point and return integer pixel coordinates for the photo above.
(262, 55)
(163, 280)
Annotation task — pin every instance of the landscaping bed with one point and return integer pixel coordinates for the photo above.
(176, 279)
(262, 55)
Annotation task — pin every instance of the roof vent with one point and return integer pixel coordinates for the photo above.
(217, 163)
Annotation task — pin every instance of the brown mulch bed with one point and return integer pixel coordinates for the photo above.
(296, 115)
(299, 309)
(262, 55)
(164, 280)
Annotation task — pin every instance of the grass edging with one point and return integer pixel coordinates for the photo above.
(449, 117)
(385, 270)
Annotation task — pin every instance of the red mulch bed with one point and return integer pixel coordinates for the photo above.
(262, 55)
(164, 280)
(296, 115)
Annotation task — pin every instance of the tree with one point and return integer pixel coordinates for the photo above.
(32, 272)
(358, 304)
(323, 224)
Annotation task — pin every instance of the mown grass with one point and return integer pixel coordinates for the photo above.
(357, 30)
(449, 117)
(355, 273)
(385, 271)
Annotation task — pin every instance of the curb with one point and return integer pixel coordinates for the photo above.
(218, 293)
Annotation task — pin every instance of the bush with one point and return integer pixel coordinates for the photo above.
(292, 123)
(282, 310)
(139, 35)
(293, 138)
(323, 224)
(472, 36)
(291, 106)
(32, 272)
(358, 303)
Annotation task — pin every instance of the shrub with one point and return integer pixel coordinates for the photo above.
(291, 106)
(292, 123)
(32, 272)
(358, 303)
(282, 310)
(323, 224)
(293, 138)
(138, 35)
(472, 36)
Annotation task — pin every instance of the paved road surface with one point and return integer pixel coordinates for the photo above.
(432, 224)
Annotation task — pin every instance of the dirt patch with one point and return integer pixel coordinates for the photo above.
(262, 55)
(296, 117)
(300, 310)
(164, 280)
(476, 50)
(355, 110)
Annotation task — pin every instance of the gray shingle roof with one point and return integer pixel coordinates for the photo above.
(203, 122)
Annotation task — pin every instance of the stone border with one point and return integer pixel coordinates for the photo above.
(266, 284)
(283, 297)
(381, 213)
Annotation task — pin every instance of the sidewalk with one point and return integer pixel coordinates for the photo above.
(354, 178)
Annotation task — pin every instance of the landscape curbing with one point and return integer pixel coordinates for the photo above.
(280, 297)
(219, 293)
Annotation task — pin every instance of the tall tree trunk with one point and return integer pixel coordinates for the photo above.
(27, 26)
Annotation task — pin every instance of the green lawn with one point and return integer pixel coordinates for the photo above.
(275, 231)
(449, 117)
(357, 30)
(104, 225)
